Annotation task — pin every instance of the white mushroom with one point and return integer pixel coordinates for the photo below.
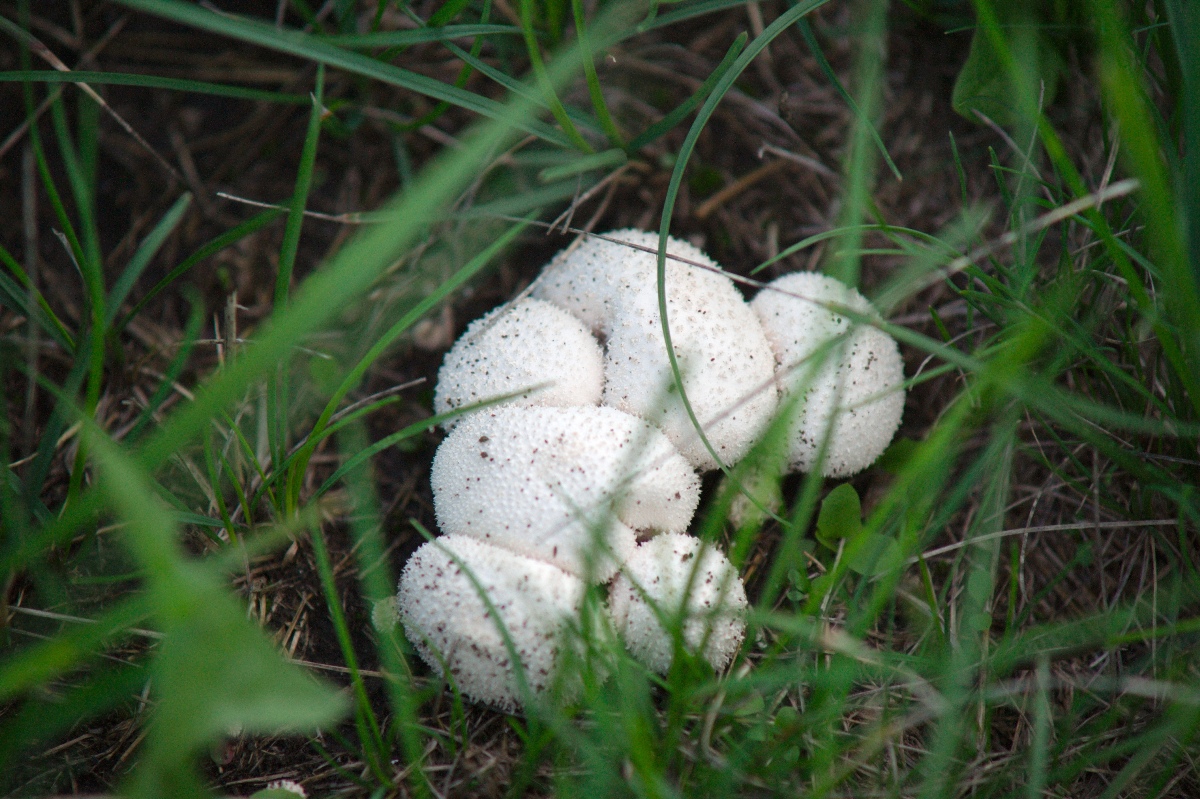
(564, 485)
(657, 577)
(724, 358)
(587, 279)
(529, 344)
(857, 384)
(448, 622)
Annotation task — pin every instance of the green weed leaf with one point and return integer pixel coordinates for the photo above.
(866, 553)
(871, 554)
(214, 673)
(840, 516)
(985, 84)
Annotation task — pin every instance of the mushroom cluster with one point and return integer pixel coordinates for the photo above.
(580, 465)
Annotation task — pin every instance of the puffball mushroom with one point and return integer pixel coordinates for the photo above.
(856, 385)
(527, 344)
(723, 356)
(448, 622)
(567, 486)
(587, 279)
(659, 575)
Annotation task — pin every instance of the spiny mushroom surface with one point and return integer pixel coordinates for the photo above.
(659, 575)
(567, 486)
(587, 278)
(447, 620)
(529, 344)
(723, 356)
(855, 384)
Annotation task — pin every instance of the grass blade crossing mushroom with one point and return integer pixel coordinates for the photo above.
(529, 344)
(856, 385)
(724, 356)
(678, 578)
(567, 486)
(453, 629)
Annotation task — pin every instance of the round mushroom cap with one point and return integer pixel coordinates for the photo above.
(586, 279)
(452, 628)
(856, 385)
(567, 486)
(530, 346)
(658, 575)
(726, 363)
(723, 355)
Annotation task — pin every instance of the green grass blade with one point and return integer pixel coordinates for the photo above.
(687, 106)
(523, 202)
(517, 87)
(539, 70)
(152, 82)
(685, 151)
(447, 13)
(278, 388)
(379, 585)
(316, 49)
(364, 455)
(814, 47)
(1185, 30)
(859, 166)
(469, 270)
(226, 239)
(299, 201)
(16, 295)
(91, 268)
(369, 730)
(467, 69)
(599, 105)
(602, 160)
(937, 242)
(688, 11)
(142, 256)
(38, 471)
(432, 33)
(83, 193)
(51, 188)
(88, 123)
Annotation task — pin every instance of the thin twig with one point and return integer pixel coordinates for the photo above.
(49, 614)
(47, 55)
(16, 135)
(351, 218)
(737, 187)
(803, 160)
(1046, 528)
(1063, 212)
